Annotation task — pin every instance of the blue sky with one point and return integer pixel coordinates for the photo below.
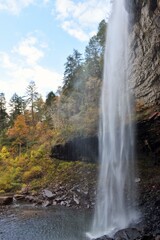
(36, 36)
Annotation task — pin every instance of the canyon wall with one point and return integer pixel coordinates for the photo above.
(145, 54)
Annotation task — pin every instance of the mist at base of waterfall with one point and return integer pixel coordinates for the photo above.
(116, 191)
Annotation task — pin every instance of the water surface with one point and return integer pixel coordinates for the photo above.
(54, 223)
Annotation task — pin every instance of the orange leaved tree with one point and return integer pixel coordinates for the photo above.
(19, 132)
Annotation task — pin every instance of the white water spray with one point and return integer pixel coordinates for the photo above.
(115, 198)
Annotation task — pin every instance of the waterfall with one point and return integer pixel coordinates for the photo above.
(115, 197)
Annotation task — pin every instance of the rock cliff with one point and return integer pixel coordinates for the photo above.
(145, 54)
(80, 148)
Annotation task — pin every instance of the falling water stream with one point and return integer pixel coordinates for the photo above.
(114, 208)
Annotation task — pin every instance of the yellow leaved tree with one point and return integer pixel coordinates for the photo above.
(19, 132)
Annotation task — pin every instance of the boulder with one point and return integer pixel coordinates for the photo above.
(54, 203)
(76, 199)
(19, 197)
(46, 203)
(127, 234)
(48, 194)
(30, 198)
(157, 237)
(124, 234)
(6, 200)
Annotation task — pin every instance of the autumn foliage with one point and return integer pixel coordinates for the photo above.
(20, 130)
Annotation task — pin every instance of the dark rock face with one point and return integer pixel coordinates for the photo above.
(148, 137)
(145, 53)
(82, 149)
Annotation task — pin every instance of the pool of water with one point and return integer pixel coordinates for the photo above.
(54, 223)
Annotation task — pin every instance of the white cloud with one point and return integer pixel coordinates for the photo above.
(74, 30)
(80, 18)
(22, 65)
(46, 1)
(28, 50)
(16, 6)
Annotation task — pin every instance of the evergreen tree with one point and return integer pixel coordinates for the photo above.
(92, 54)
(3, 113)
(32, 96)
(95, 51)
(50, 108)
(73, 67)
(51, 97)
(17, 105)
(39, 108)
(101, 34)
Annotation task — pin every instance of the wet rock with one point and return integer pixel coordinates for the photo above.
(19, 197)
(147, 237)
(76, 199)
(157, 203)
(104, 238)
(68, 204)
(63, 203)
(6, 200)
(158, 4)
(127, 234)
(85, 193)
(30, 198)
(54, 203)
(157, 237)
(137, 180)
(48, 194)
(46, 203)
(59, 199)
(37, 202)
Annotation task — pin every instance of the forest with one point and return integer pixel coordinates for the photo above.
(30, 126)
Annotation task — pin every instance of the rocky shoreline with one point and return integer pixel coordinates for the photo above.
(61, 196)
